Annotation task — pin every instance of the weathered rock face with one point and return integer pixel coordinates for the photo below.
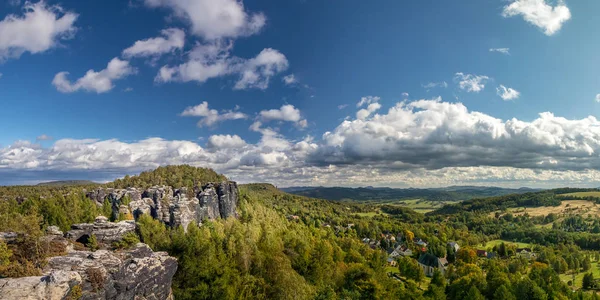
(173, 207)
(138, 273)
(105, 232)
(161, 198)
(228, 199)
(55, 285)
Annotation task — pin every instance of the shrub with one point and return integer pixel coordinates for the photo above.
(128, 241)
(92, 243)
(75, 293)
(96, 278)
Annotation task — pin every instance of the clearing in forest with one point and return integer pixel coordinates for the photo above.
(583, 194)
(567, 207)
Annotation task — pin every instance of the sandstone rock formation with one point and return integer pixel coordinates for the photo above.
(105, 232)
(174, 207)
(138, 273)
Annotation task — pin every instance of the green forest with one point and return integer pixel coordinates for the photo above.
(285, 246)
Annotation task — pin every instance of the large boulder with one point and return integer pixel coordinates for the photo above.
(56, 284)
(105, 232)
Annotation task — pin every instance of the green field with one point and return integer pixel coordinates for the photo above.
(493, 243)
(419, 205)
(371, 214)
(583, 194)
(579, 277)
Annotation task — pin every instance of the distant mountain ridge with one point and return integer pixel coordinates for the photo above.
(451, 193)
(66, 182)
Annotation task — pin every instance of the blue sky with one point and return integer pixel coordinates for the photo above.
(452, 91)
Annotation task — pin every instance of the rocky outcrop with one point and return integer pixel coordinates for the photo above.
(55, 285)
(105, 232)
(138, 273)
(174, 207)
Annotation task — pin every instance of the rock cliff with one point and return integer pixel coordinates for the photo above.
(174, 207)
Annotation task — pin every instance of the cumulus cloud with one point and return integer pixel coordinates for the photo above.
(432, 85)
(92, 81)
(371, 108)
(598, 98)
(39, 29)
(419, 143)
(214, 19)
(432, 134)
(214, 59)
(287, 113)
(256, 72)
(539, 13)
(507, 93)
(210, 117)
(342, 106)
(225, 141)
(172, 39)
(470, 82)
(44, 137)
(505, 51)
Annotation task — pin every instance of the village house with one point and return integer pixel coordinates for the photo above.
(482, 253)
(392, 262)
(392, 253)
(429, 263)
(526, 253)
(421, 242)
(404, 251)
(454, 245)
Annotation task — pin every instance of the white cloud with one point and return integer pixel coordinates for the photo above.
(539, 13)
(214, 19)
(44, 137)
(225, 142)
(172, 39)
(92, 81)
(505, 51)
(256, 72)
(507, 93)
(432, 85)
(290, 79)
(598, 98)
(210, 117)
(470, 82)
(41, 28)
(367, 100)
(342, 106)
(405, 95)
(366, 112)
(419, 143)
(286, 113)
(213, 60)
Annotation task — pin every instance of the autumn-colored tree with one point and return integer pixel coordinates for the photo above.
(466, 255)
